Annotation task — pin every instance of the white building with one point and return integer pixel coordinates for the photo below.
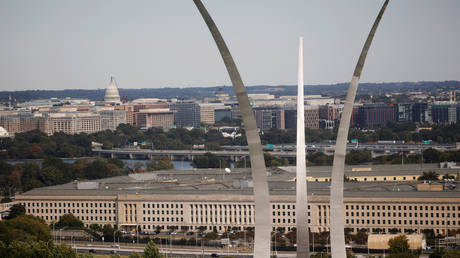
(111, 94)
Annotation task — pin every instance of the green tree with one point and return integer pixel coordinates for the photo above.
(63, 251)
(358, 157)
(151, 251)
(320, 255)
(95, 227)
(24, 228)
(163, 163)
(399, 244)
(430, 175)
(17, 249)
(209, 160)
(69, 221)
(16, 210)
(450, 253)
(135, 255)
(431, 155)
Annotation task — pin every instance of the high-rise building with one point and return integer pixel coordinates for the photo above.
(112, 118)
(405, 112)
(207, 113)
(22, 122)
(132, 109)
(444, 113)
(290, 118)
(419, 112)
(157, 117)
(330, 112)
(372, 116)
(312, 117)
(186, 114)
(221, 113)
(268, 118)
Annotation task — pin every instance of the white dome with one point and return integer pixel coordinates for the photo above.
(111, 93)
(3, 132)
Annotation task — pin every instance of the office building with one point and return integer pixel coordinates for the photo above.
(203, 198)
(443, 113)
(207, 113)
(312, 117)
(419, 112)
(155, 117)
(186, 114)
(405, 112)
(268, 118)
(73, 123)
(111, 118)
(372, 116)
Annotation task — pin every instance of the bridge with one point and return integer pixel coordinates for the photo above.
(288, 151)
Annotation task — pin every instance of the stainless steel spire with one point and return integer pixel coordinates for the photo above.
(259, 173)
(336, 198)
(303, 245)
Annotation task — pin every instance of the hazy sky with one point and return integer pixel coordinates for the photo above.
(78, 44)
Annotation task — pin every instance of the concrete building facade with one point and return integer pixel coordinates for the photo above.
(188, 201)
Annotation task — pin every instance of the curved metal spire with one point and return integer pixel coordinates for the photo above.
(259, 173)
(303, 242)
(336, 198)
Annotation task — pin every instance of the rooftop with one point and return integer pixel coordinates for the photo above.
(237, 182)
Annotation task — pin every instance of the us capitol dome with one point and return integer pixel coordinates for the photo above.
(111, 93)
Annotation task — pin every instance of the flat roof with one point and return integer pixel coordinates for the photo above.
(377, 170)
(238, 182)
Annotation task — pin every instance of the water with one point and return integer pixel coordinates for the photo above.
(178, 164)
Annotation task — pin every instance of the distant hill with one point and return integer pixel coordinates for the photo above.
(200, 92)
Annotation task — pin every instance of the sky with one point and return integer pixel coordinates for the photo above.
(68, 44)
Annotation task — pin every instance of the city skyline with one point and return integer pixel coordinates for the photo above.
(79, 45)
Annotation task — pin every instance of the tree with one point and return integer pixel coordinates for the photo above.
(69, 221)
(431, 155)
(201, 229)
(164, 163)
(398, 245)
(281, 230)
(24, 228)
(63, 251)
(151, 251)
(16, 210)
(6, 200)
(361, 237)
(358, 157)
(320, 255)
(108, 232)
(431, 175)
(135, 255)
(209, 160)
(450, 253)
(95, 227)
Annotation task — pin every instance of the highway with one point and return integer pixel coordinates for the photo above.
(282, 151)
(174, 252)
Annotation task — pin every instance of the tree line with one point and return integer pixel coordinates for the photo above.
(52, 171)
(36, 144)
(26, 236)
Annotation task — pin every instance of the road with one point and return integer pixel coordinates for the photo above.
(174, 252)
